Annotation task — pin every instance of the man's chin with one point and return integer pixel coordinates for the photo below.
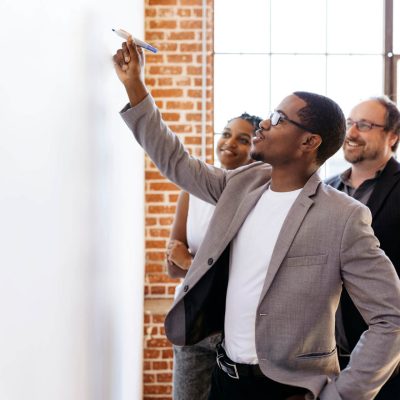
(354, 160)
(256, 156)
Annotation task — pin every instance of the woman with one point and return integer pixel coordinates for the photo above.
(193, 365)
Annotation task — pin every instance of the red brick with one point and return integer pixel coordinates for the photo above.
(159, 278)
(164, 47)
(154, 198)
(180, 35)
(193, 117)
(166, 221)
(160, 365)
(180, 105)
(151, 353)
(165, 81)
(184, 81)
(150, 81)
(181, 128)
(167, 92)
(157, 389)
(171, 116)
(160, 233)
(157, 289)
(154, 268)
(149, 36)
(167, 353)
(155, 244)
(165, 70)
(190, 24)
(158, 343)
(173, 198)
(184, 12)
(166, 377)
(192, 47)
(162, 24)
(194, 70)
(162, 2)
(167, 12)
(155, 256)
(191, 2)
(154, 58)
(192, 140)
(151, 221)
(163, 186)
(194, 93)
(158, 319)
(150, 378)
(180, 58)
(153, 175)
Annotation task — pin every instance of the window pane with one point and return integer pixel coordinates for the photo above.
(335, 165)
(290, 73)
(241, 26)
(396, 27)
(241, 84)
(351, 79)
(355, 26)
(298, 26)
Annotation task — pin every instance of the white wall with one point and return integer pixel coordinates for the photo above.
(71, 205)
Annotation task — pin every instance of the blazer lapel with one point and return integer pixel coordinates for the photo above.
(243, 210)
(289, 229)
(389, 177)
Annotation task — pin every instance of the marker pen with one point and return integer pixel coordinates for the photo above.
(138, 42)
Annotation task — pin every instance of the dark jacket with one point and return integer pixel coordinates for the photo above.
(384, 204)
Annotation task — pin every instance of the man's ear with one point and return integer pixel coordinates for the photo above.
(311, 142)
(393, 138)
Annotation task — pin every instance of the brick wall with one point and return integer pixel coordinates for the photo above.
(174, 76)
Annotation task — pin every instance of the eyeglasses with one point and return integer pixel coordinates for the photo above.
(362, 126)
(276, 117)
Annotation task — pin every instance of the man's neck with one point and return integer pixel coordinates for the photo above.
(287, 180)
(365, 170)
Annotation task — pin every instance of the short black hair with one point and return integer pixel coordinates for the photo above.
(392, 118)
(253, 119)
(321, 114)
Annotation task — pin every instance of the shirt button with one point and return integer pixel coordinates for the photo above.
(210, 261)
(186, 288)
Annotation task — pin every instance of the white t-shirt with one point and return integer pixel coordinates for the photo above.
(251, 252)
(199, 215)
(198, 218)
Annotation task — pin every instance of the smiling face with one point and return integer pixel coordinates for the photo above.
(373, 145)
(233, 148)
(280, 144)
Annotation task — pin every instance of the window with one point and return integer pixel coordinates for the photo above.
(266, 49)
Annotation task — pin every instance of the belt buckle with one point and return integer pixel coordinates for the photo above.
(236, 376)
(223, 366)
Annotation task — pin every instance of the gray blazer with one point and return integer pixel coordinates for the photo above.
(325, 241)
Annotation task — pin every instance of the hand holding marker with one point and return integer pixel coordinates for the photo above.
(125, 35)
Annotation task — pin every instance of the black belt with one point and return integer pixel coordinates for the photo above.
(235, 370)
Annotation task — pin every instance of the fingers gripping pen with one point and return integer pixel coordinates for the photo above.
(138, 42)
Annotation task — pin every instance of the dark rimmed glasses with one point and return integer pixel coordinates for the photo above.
(276, 117)
(362, 126)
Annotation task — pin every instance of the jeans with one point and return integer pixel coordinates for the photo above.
(193, 367)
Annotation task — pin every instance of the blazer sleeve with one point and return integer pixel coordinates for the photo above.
(374, 287)
(169, 155)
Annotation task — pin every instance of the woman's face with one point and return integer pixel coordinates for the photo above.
(233, 148)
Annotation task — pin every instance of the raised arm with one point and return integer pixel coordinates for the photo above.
(163, 146)
(179, 258)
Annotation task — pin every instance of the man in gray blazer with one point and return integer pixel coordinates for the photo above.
(279, 247)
